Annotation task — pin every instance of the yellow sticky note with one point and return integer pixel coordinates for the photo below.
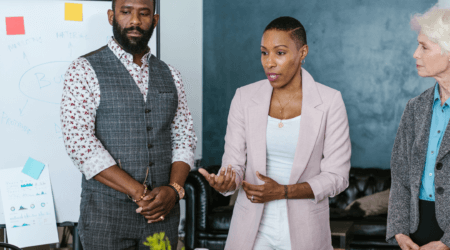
(74, 12)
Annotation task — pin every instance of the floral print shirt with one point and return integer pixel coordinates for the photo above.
(81, 98)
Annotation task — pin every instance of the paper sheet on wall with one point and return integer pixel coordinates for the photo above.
(28, 208)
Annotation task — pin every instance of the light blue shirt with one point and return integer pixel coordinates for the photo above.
(439, 121)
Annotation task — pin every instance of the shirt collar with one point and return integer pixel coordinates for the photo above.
(437, 97)
(120, 53)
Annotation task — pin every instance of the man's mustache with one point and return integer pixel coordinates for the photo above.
(126, 30)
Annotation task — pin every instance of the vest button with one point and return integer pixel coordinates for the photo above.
(150, 146)
(147, 111)
(149, 128)
(150, 164)
(439, 166)
(440, 190)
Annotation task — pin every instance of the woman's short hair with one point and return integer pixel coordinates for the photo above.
(291, 25)
(435, 24)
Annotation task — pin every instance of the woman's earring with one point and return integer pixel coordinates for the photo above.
(303, 61)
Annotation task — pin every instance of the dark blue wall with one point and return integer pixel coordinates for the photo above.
(362, 48)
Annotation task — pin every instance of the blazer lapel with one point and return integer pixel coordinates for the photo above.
(445, 144)
(258, 114)
(309, 126)
(422, 122)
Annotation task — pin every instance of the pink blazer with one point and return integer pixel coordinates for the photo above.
(322, 159)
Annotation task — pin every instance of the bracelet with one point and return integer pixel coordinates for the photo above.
(176, 191)
(285, 192)
(142, 196)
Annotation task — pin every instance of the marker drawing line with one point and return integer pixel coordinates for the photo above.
(25, 57)
(70, 47)
(21, 109)
(20, 81)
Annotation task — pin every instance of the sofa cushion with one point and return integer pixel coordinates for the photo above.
(355, 212)
(362, 182)
(220, 218)
(375, 226)
(375, 204)
(211, 243)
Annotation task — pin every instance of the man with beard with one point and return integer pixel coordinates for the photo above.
(127, 127)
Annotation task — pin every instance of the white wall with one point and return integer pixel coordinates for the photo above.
(181, 46)
(444, 3)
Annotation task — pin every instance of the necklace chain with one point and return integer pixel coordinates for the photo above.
(280, 125)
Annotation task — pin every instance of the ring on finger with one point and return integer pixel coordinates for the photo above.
(252, 198)
(162, 217)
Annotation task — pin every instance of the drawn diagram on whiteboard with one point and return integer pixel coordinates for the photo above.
(22, 109)
(33, 75)
(38, 83)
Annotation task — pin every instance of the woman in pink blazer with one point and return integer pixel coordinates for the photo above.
(287, 149)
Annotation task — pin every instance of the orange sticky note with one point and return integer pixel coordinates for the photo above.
(73, 12)
(15, 26)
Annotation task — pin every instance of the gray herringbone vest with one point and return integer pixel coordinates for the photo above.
(134, 131)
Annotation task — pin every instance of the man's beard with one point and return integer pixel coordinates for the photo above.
(133, 45)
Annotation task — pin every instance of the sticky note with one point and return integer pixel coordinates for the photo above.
(33, 168)
(15, 26)
(74, 12)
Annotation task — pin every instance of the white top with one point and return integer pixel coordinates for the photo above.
(281, 144)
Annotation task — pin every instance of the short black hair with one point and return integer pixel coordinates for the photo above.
(291, 25)
(114, 6)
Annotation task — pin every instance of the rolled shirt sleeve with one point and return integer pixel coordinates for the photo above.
(80, 100)
(335, 165)
(79, 103)
(184, 140)
(235, 142)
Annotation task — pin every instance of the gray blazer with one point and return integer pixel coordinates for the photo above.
(407, 164)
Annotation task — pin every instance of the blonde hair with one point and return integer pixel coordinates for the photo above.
(435, 24)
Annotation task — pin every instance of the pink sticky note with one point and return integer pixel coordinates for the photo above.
(15, 26)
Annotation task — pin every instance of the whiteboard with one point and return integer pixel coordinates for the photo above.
(32, 69)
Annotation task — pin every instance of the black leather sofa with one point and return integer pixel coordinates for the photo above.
(208, 213)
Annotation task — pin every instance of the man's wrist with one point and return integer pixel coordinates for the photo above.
(177, 197)
(138, 192)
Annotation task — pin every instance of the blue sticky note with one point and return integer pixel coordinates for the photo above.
(33, 168)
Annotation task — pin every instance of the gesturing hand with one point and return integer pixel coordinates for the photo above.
(223, 182)
(157, 204)
(405, 242)
(434, 245)
(269, 191)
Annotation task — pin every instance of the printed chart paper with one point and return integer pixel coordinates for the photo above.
(28, 208)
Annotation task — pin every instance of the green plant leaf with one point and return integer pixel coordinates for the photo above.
(158, 242)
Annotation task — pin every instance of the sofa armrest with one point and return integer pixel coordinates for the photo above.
(200, 200)
(190, 219)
